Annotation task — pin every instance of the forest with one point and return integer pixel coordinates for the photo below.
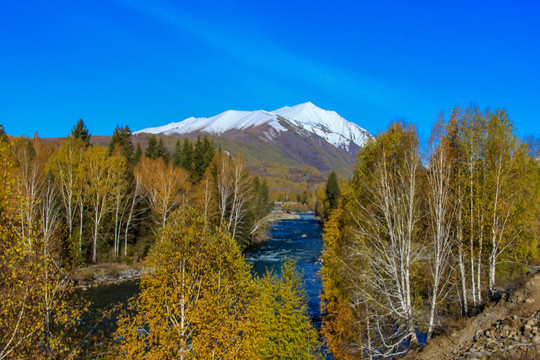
(187, 215)
(418, 240)
(419, 237)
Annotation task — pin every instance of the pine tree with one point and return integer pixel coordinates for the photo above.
(177, 153)
(333, 193)
(186, 160)
(137, 155)
(163, 152)
(151, 151)
(81, 132)
(203, 153)
(122, 138)
(156, 148)
(264, 204)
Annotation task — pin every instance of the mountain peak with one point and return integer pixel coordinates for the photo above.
(306, 117)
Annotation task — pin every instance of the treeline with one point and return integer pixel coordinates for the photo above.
(416, 240)
(111, 201)
(74, 200)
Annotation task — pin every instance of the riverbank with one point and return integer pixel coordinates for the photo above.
(277, 215)
(281, 215)
(107, 274)
(115, 273)
(507, 329)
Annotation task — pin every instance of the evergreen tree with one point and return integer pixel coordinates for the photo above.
(151, 150)
(122, 138)
(186, 160)
(333, 193)
(264, 205)
(156, 148)
(137, 155)
(81, 132)
(183, 154)
(177, 153)
(163, 152)
(203, 153)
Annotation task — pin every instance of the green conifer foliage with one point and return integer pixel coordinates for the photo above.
(81, 132)
(203, 153)
(333, 193)
(186, 161)
(122, 138)
(177, 153)
(156, 148)
(137, 155)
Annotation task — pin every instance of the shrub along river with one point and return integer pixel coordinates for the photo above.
(299, 239)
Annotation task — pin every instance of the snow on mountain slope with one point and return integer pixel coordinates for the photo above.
(326, 124)
(217, 125)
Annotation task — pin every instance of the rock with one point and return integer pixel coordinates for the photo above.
(529, 301)
(530, 322)
(536, 339)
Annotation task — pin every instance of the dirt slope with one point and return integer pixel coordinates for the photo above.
(509, 329)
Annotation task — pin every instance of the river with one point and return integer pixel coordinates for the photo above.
(299, 239)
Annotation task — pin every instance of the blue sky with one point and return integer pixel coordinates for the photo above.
(148, 63)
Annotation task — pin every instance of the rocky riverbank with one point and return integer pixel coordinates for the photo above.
(508, 329)
(106, 274)
(281, 215)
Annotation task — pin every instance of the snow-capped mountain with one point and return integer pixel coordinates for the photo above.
(306, 119)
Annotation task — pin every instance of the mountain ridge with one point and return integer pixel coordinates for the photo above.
(294, 137)
(326, 124)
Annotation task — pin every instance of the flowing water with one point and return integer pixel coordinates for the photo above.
(300, 240)
(297, 239)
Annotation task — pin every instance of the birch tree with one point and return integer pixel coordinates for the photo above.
(31, 156)
(206, 196)
(224, 186)
(472, 138)
(133, 208)
(119, 204)
(49, 209)
(441, 211)
(66, 166)
(511, 177)
(241, 195)
(387, 244)
(36, 319)
(103, 174)
(165, 186)
(195, 303)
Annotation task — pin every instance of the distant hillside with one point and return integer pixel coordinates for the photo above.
(300, 136)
